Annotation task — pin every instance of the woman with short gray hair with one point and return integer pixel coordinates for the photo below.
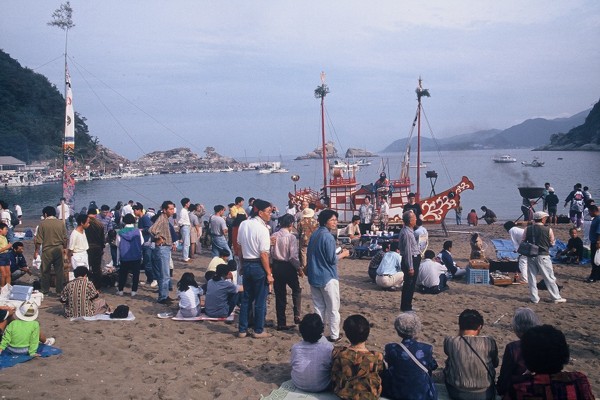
(513, 364)
(410, 363)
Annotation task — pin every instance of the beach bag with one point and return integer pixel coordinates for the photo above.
(120, 312)
(527, 248)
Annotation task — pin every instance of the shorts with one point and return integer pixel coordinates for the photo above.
(4, 259)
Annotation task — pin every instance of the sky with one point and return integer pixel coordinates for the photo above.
(240, 75)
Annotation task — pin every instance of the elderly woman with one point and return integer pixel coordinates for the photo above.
(472, 359)
(513, 365)
(546, 352)
(409, 363)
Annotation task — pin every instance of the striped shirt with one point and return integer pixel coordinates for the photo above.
(78, 296)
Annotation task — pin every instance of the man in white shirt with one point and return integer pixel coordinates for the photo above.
(253, 238)
(516, 237)
(127, 208)
(78, 244)
(432, 275)
(19, 212)
(352, 230)
(184, 229)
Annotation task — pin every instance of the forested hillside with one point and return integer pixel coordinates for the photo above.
(583, 137)
(32, 116)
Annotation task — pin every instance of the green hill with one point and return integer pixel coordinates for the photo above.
(583, 137)
(32, 117)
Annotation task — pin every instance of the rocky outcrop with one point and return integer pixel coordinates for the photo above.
(318, 153)
(183, 157)
(357, 153)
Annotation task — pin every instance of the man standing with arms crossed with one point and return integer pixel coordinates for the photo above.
(411, 258)
(161, 255)
(322, 272)
(253, 237)
(52, 236)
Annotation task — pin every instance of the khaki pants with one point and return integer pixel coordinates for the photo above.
(387, 281)
(52, 256)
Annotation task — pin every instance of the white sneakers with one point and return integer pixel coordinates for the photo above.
(119, 293)
(50, 341)
(561, 300)
(154, 284)
(133, 294)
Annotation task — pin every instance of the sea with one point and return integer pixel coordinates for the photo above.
(496, 185)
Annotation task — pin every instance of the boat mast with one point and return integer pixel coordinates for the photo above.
(320, 93)
(420, 93)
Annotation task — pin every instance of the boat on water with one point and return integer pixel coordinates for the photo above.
(19, 180)
(342, 193)
(504, 159)
(534, 163)
(363, 162)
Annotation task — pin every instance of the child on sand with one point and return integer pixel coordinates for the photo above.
(4, 255)
(189, 296)
(23, 335)
(355, 370)
(311, 358)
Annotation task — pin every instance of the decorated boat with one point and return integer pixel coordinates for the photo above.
(344, 194)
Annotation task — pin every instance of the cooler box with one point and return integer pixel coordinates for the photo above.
(478, 276)
(20, 293)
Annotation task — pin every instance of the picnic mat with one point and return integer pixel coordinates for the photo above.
(289, 391)
(201, 317)
(105, 317)
(505, 250)
(8, 359)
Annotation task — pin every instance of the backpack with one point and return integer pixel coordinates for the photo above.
(14, 220)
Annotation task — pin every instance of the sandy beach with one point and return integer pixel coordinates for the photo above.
(161, 358)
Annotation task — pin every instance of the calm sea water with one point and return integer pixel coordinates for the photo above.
(495, 184)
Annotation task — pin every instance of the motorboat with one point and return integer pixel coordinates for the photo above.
(534, 163)
(504, 159)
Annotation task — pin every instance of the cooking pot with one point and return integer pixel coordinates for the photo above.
(531, 192)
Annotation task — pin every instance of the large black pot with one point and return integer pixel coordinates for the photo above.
(531, 192)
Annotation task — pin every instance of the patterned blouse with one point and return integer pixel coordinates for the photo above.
(355, 374)
(560, 386)
(78, 296)
(403, 379)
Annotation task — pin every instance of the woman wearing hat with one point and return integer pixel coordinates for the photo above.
(22, 335)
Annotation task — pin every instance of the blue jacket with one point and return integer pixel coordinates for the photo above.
(321, 258)
(130, 244)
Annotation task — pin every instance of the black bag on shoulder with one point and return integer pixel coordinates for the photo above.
(528, 248)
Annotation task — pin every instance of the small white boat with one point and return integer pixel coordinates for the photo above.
(503, 159)
(265, 171)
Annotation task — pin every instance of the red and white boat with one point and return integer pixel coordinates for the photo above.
(342, 193)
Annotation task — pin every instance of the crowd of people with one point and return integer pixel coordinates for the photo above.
(255, 249)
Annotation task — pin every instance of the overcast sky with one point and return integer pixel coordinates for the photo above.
(240, 75)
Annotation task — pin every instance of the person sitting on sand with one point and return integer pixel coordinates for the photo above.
(574, 251)
(311, 358)
(389, 273)
(409, 363)
(477, 251)
(376, 260)
(355, 370)
(222, 258)
(472, 359)
(189, 296)
(513, 364)
(448, 261)
(80, 297)
(221, 293)
(432, 277)
(18, 262)
(472, 219)
(546, 352)
(23, 335)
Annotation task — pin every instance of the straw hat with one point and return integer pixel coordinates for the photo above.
(28, 311)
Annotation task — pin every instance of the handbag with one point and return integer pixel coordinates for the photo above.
(527, 248)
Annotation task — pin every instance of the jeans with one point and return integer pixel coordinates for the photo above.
(542, 265)
(161, 257)
(184, 232)
(285, 275)
(326, 301)
(255, 290)
(220, 243)
(147, 263)
(129, 267)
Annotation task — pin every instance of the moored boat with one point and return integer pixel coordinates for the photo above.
(504, 159)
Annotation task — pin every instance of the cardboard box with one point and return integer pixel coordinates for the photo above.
(479, 264)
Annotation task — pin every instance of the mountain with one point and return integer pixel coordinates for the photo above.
(530, 133)
(583, 137)
(33, 116)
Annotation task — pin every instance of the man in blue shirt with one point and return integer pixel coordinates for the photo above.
(389, 273)
(322, 272)
(18, 263)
